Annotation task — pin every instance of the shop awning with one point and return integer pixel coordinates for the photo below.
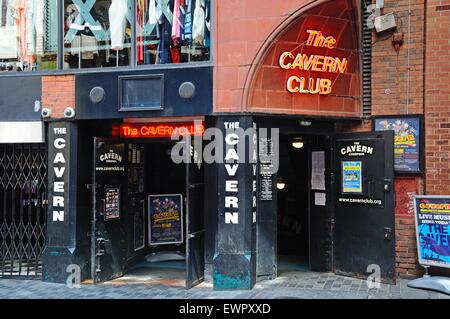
(21, 132)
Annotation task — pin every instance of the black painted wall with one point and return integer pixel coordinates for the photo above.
(174, 105)
(17, 97)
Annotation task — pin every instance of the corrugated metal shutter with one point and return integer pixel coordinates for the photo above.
(367, 62)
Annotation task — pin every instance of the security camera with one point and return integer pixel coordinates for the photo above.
(69, 112)
(46, 113)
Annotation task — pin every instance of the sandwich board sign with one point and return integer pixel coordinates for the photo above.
(432, 217)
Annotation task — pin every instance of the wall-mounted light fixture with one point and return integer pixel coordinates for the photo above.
(298, 143)
(280, 184)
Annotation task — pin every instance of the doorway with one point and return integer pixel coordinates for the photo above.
(145, 231)
(149, 179)
(293, 243)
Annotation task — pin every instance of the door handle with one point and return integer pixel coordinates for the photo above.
(387, 187)
(388, 233)
(193, 235)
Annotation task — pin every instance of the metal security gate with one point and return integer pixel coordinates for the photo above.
(23, 170)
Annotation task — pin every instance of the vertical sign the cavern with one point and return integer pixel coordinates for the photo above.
(234, 264)
(62, 194)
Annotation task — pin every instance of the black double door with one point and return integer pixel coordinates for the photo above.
(351, 209)
(110, 247)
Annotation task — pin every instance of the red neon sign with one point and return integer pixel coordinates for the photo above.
(161, 130)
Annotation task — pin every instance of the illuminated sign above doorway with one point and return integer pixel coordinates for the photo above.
(315, 63)
(161, 130)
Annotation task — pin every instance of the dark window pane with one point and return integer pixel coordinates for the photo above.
(142, 92)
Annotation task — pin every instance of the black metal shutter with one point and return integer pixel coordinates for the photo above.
(366, 61)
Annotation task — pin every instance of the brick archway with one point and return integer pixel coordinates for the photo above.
(265, 86)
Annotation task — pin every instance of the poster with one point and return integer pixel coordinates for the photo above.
(407, 141)
(320, 199)
(352, 177)
(433, 230)
(318, 171)
(112, 203)
(165, 219)
(406, 188)
(266, 169)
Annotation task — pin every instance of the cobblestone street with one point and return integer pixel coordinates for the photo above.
(293, 285)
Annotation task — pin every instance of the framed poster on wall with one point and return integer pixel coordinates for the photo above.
(432, 216)
(408, 141)
(165, 219)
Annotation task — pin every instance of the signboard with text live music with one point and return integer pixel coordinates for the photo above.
(433, 230)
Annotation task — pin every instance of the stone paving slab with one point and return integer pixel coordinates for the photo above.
(301, 285)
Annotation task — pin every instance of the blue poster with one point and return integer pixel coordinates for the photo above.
(433, 230)
(352, 177)
(406, 141)
(165, 219)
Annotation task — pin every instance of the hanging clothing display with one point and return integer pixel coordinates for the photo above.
(8, 30)
(140, 18)
(85, 44)
(165, 39)
(8, 43)
(208, 24)
(30, 30)
(176, 23)
(7, 13)
(21, 24)
(187, 23)
(154, 11)
(118, 21)
(3, 11)
(199, 22)
(39, 15)
(175, 54)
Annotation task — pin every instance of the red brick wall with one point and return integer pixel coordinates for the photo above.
(438, 98)
(58, 93)
(391, 79)
(241, 29)
(390, 96)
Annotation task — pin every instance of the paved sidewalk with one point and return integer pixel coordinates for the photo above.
(302, 285)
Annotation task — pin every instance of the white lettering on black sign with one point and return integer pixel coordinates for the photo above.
(357, 150)
(231, 184)
(59, 168)
(111, 157)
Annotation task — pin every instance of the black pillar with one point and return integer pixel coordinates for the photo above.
(234, 258)
(61, 245)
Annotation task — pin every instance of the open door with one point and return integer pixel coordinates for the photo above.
(195, 229)
(364, 237)
(320, 200)
(108, 240)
